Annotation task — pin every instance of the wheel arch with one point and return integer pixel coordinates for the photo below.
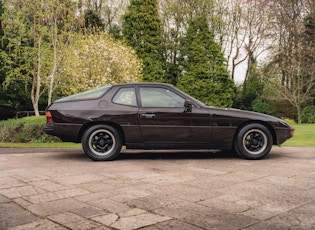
(268, 126)
(112, 124)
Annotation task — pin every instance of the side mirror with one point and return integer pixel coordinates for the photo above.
(188, 106)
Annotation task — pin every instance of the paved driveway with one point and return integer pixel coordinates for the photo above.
(63, 189)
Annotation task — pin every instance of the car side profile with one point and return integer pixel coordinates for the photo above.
(159, 116)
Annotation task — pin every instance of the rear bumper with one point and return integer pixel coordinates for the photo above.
(67, 132)
(49, 128)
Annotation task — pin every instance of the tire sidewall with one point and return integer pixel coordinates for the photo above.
(243, 151)
(113, 154)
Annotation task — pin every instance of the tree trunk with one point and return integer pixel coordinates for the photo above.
(37, 80)
(52, 76)
(298, 110)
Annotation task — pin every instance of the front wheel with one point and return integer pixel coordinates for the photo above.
(101, 142)
(253, 141)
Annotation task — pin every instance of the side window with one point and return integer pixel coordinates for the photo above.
(125, 96)
(160, 97)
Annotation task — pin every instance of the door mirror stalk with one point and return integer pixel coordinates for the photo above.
(188, 106)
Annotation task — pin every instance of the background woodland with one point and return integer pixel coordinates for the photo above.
(251, 54)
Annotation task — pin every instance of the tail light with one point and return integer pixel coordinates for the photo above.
(48, 117)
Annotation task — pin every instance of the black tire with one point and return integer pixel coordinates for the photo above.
(101, 143)
(253, 142)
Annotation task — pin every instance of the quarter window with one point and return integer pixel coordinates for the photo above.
(160, 97)
(87, 95)
(126, 96)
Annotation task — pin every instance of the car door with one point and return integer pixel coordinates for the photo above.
(124, 111)
(163, 119)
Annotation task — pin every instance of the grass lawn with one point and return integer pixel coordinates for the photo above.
(304, 135)
(40, 145)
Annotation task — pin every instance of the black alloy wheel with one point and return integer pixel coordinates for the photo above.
(101, 142)
(253, 141)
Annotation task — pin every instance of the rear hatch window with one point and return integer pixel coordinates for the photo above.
(87, 95)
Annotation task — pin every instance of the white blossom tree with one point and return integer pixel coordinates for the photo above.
(95, 60)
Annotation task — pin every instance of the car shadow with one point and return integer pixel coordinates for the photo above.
(174, 154)
(129, 155)
(68, 155)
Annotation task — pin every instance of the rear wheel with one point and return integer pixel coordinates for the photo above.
(253, 141)
(101, 142)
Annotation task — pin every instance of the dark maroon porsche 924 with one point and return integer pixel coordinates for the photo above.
(159, 116)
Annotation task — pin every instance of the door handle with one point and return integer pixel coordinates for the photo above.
(147, 115)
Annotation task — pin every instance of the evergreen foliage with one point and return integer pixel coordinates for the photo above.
(142, 30)
(262, 106)
(93, 21)
(308, 114)
(205, 72)
(249, 92)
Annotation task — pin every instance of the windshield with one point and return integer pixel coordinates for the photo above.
(87, 95)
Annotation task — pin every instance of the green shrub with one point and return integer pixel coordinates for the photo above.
(26, 129)
(289, 121)
(262, 106)
(308, 114)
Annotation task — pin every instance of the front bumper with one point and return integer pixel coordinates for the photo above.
(283, 134)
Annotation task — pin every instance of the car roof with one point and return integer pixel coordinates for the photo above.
(144, 83)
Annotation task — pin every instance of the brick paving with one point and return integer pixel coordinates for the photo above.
(64, 189)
